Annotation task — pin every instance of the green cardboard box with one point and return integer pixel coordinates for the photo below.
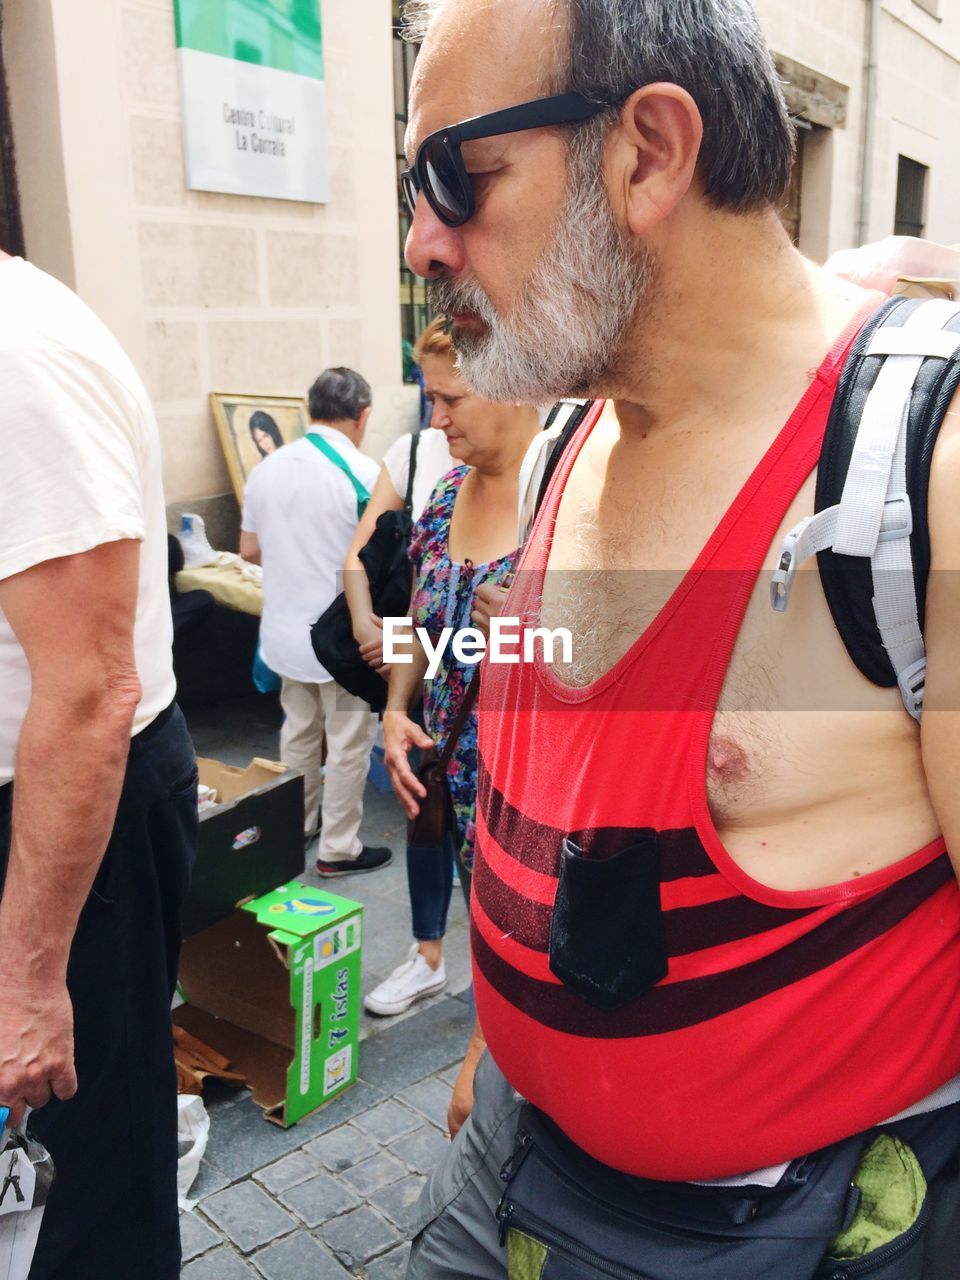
(275, 987)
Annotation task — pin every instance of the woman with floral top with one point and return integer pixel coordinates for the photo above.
(465, 537)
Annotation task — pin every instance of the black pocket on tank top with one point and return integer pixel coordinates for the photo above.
(606, 935)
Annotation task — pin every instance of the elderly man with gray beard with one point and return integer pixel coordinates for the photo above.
(715, 923)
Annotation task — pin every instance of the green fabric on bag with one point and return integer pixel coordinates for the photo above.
(892, 1188)
(526, 1257)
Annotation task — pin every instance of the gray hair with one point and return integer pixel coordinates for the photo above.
(714, 49)
(338, 395)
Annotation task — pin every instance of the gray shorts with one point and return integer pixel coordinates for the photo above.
(458, 1235)
(457, 1231)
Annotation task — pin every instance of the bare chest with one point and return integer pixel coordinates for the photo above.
(483, 527)
(619, 555)
(803, 750)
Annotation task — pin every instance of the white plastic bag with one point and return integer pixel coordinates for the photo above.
(193, 1130)
(26, 1172)
(882, 264)
(197, 550)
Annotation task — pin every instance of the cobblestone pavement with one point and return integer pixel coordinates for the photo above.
(333, 1197)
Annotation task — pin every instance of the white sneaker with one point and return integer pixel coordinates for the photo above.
(411, 981)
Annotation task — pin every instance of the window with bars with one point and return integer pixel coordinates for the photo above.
(415, 312)
(910, 217)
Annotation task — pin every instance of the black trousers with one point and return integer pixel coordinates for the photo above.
(112, 1210)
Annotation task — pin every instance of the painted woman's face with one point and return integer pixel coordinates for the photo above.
(264, 441)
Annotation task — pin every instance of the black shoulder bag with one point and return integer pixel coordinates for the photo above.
(435, 817)
(386, 560)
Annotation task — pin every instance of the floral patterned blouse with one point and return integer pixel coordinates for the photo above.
(443, 597)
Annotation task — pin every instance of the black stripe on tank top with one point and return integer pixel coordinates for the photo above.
(673, 1006)
(537, 845)
(687, 929)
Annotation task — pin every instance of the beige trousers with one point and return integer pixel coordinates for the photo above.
(315, 711)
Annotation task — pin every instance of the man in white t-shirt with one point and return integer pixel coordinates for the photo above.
(98, 815)
(300, 511)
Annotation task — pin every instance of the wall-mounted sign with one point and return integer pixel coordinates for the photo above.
(254, 98)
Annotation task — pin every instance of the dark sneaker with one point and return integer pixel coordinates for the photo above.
(370, 859)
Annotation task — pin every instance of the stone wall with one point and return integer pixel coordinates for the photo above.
(221, 293)
(207, 292)
(918, 91)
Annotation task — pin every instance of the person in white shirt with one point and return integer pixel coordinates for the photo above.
(301, 509)
(98, 810)
(434, 460)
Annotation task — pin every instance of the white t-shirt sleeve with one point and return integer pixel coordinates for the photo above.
(73, 454)
(397, 462)
(248, 519)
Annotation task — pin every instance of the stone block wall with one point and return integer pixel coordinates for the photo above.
(918, 91)
(210, 292)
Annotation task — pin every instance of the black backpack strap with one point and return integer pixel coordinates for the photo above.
(851, 533)
(848, 580)
(411, 473)
(576, 416)
(542, 457)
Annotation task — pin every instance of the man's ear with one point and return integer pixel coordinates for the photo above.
(655, 153)
(363, 420)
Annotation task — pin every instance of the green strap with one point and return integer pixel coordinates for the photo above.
(328, 451)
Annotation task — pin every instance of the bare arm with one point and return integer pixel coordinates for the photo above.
(249, 547)
(461, 1100)
(940, 732)
(74, 617)
(400, 734)
(355, 585)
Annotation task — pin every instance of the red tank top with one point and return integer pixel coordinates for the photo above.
(787, 1020)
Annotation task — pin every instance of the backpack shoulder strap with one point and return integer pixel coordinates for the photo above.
(545, 452)
(328, 451)
(572, 414)
(411, 473)
(869, 529)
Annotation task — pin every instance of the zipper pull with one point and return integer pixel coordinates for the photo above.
(516, 1157)
(504, 1214)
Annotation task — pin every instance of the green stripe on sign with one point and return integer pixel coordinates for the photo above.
(283, 34)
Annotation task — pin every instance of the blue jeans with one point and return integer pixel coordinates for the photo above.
(430, 881)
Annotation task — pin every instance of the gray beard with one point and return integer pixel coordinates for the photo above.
(565, 332)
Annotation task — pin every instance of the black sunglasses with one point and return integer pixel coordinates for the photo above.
(438, 170)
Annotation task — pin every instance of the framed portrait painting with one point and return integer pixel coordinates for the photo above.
(251, 427)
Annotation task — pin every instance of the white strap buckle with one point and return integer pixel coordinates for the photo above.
(897, 519)
(911, 681)
(781, 584)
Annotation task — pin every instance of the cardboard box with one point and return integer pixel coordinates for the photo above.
(275, 989)
(251, 842)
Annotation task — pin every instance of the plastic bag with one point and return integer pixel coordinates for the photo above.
(900, 259)
(197, 550)
(193, 1130)
(26, 1174)
(265, 679)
